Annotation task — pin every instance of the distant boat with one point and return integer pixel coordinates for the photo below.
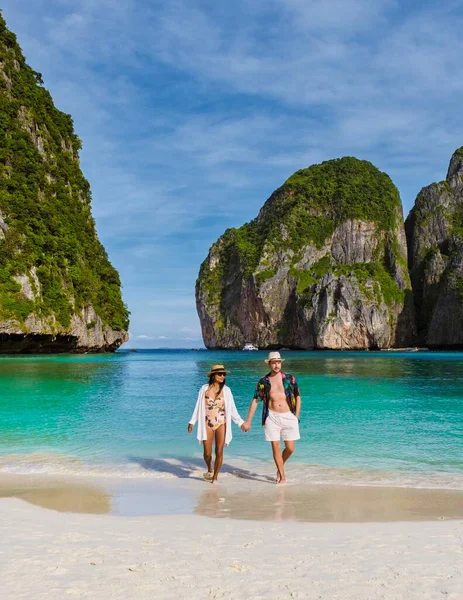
(249, 347)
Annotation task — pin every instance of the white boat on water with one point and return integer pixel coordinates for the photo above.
(250, 347)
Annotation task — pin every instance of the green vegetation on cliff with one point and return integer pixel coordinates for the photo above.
(345, 188)
(435, 231)
(45, 205)
(373, 279)
(458, 153)
(305, 211)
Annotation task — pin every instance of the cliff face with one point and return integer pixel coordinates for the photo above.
(322, 266)
(58, 290)
(435, 245)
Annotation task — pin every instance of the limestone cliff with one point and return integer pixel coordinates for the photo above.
(435, 244)
(58, 290)
(322, 266)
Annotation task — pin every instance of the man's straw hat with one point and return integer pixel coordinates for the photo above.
(273, 356)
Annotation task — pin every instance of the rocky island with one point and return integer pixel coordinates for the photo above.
(329, 263)
(58, 290)
(435, 244)
(323, 265)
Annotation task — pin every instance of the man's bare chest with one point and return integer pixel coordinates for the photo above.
(277, 389)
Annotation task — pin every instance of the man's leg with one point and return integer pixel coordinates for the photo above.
(289, 449)
(277, 457)
(291, 431)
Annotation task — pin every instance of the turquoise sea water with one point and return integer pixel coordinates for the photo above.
(368, 417)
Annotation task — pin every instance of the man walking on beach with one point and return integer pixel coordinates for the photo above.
(281, 407)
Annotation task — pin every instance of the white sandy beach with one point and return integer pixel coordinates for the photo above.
(53, 555)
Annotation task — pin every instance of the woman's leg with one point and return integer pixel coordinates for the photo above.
(207, 446)
(219, 446)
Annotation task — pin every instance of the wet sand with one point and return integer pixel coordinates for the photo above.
(235, 499)
(57, 494)
(333, 504)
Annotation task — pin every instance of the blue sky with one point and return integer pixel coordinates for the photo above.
(192, 112)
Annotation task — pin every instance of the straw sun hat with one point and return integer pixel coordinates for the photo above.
(217, 369)
(273, 356)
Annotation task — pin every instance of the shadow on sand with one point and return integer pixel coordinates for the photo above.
(188, 469)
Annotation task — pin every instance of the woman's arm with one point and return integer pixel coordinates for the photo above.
(234, 414)
(194, 416)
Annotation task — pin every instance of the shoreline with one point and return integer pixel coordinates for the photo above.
(405, 349)
(256, 471)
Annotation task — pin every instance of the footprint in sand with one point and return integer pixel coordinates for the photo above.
(239, 567)
(57, 570)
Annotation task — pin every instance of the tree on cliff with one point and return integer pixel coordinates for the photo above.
(52, 265)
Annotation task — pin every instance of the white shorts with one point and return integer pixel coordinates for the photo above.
(285, 424)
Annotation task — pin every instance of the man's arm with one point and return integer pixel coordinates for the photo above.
(298, 406)
(258, 395)
(297, 396)
(246, 426)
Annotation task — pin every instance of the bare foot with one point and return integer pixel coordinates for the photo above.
(208, 475)
(281, 482)
(278, 478)
(214, 481)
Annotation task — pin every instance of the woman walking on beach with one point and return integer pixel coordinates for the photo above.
(215, 410)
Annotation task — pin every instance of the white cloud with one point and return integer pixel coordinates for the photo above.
(144, 337)
(346, 17)
(193, 333)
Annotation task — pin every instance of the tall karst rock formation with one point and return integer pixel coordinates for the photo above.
(435, 244)
(324, 265)
(58, 290)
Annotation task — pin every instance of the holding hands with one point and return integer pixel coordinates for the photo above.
(246, 426)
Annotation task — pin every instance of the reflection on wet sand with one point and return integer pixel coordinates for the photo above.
(328, 503)
(232, 499)
(57, 495)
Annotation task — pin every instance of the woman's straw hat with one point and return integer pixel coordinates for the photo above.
(217, 369)
(273, 356)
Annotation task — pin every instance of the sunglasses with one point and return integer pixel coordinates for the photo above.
(220, 374)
